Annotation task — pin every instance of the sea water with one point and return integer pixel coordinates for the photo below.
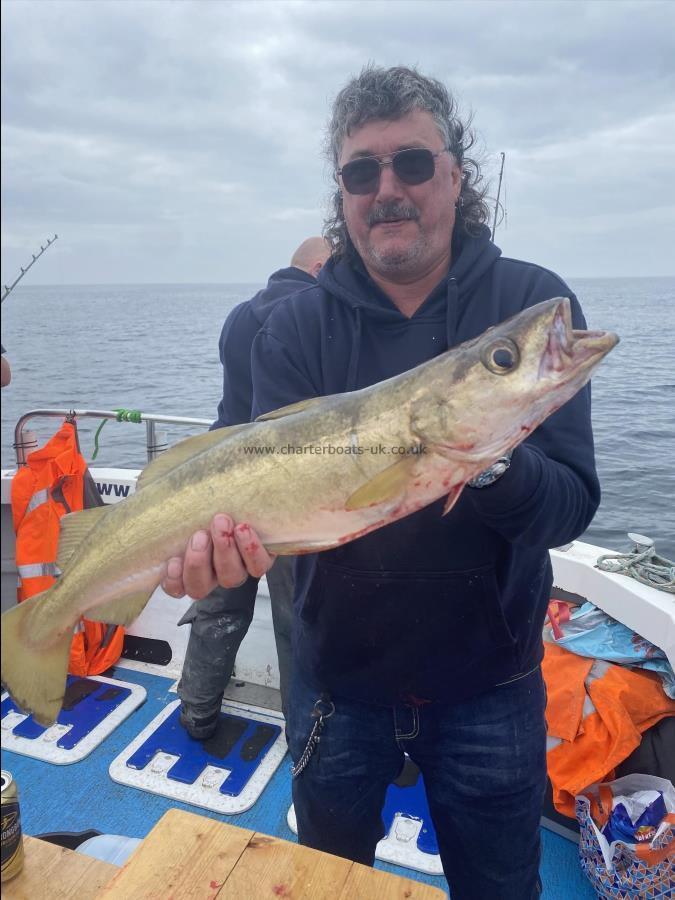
(154, 348)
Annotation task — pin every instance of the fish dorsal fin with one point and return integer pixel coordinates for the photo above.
(123, 611)
(74, 529)
(182, 451)
(291, 409)
(388, 485)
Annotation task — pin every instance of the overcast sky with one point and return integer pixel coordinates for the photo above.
(181, 141)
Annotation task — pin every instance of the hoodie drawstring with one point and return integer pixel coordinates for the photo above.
(353, 367)
(451, 312)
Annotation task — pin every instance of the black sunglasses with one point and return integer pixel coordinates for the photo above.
(414, 166)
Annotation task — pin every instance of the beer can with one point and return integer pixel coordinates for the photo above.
(12, 839)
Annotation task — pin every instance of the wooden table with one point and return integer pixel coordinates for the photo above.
(191, 857)
(57, 873)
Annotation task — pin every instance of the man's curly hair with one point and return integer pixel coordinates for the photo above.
(390, 94)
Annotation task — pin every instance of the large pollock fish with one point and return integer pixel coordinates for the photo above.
(309, 477)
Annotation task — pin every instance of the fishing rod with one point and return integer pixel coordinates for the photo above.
(37, 256)
(499, 188)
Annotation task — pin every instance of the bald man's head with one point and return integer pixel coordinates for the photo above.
(311, 255)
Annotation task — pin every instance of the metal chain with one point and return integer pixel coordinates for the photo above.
(314, 736)
(312, 741)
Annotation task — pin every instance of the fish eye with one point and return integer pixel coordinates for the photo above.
(501, 357)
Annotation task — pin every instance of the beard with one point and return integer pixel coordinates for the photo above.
(396, 260)
(396, 256)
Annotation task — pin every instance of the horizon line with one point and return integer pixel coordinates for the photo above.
(262, 281)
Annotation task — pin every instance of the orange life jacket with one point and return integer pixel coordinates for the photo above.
(51, 484)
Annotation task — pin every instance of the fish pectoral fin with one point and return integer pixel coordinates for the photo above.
(34, 674)
(452, 498)
(387, 485)
(184, 450)
(123, 611)
(292, 408)
(74, 529)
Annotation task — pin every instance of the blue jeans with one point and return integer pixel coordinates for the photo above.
(483, 763)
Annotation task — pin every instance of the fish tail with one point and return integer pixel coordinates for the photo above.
(34, 674)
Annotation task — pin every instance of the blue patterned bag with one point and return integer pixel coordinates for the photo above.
(619, 870)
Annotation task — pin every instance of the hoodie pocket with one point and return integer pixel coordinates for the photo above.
(411, 632)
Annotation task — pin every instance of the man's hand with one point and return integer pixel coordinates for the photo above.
(225, 555)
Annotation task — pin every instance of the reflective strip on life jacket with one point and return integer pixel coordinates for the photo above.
(38, 498)
(38, 570)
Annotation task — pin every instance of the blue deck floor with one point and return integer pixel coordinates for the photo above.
(82, 796)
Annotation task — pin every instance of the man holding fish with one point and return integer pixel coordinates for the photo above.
(423, 636)
(422, 439)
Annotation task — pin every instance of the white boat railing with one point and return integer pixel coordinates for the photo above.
(154, 447)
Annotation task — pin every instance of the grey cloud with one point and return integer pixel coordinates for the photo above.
(182, 141)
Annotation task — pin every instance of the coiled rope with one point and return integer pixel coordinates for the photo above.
(123, 415)
(643, 565)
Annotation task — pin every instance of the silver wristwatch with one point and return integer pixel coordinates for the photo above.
(489, 476)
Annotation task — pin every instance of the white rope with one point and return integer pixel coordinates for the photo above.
(643, 564)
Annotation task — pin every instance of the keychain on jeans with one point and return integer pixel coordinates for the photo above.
(313, 739)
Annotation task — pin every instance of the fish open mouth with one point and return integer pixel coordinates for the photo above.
(569, 350)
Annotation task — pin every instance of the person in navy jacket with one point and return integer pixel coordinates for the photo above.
(219, 623)
(246, 320)
(423, 637)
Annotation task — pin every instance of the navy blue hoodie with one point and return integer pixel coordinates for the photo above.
(431, 607)
(236, 338)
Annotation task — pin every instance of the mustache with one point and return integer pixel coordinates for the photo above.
(392, 210)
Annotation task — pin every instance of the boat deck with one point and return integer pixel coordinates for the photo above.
(83, 796)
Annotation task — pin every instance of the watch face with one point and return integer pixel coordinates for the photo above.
(489, 476)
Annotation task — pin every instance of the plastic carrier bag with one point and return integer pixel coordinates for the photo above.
(639, 870)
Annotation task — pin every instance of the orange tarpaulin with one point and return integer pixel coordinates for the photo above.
(598, 711)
